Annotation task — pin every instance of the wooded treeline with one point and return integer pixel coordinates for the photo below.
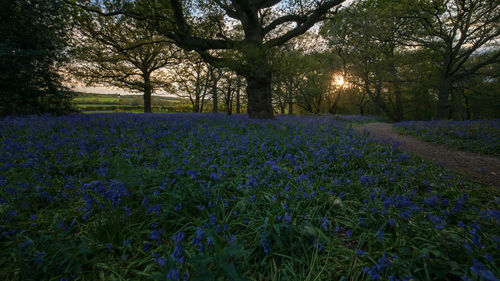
(425, 59)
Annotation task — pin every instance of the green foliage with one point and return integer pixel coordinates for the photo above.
(33, 37)
(142, 197)
(481, 136)
(406, 59)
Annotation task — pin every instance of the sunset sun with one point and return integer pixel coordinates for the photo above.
(338, 80)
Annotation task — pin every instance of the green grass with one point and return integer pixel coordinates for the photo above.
(482, 136)
(96, 100)
(147, 196)
(90, 103)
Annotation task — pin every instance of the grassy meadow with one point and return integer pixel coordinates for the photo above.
(211, 197)
(109, 103)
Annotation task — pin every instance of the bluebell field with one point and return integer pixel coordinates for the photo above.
(211, 197)
(482, 136)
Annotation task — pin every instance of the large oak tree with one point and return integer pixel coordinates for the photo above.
(263, 24)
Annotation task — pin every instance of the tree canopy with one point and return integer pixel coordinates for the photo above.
(240, 33)
(33, 46)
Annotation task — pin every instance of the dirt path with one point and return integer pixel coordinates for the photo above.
(482, 168)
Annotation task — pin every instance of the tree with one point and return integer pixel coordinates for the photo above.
(457, 31)
(32, 49)
(365, 36)
(264, 24)
(231, 86)
(191, 80)
(477, 97)
(121, 52)
(302, 77)
(287, 64)
(215, 76)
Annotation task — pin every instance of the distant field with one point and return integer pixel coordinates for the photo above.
(92, 103)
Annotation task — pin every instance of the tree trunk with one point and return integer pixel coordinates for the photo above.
(399, 102)
(282, 107)
(378, 112)
(229, 100)
(196, 104)
(204, 94)
(396, 84)
(148, 89)
(259, 94)
(443, 105)
(467, 105)
(290, 103)
(238, 89)
(214, 93)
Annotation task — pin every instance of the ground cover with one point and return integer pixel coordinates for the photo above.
(359, 119)
(97, 99)
(207, 197)
(482, 136)
(89, 103)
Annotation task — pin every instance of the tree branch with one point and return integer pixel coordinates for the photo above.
(495, 58)
(288, 18)
(314, 17)
(223, 63)
(106, 14)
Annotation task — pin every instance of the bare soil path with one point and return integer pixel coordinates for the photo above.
(482, 168)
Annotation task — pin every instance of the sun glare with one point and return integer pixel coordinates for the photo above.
(338, 80)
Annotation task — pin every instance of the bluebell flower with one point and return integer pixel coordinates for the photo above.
(127, 242)
(146, 247)
(38, 257)
(482, 271)
(212, 219)
(325, 224)
(488, 257)
(265, 243)
(173, 274)
(360, 252)
(178, 237)
(178, 254)
(439, 222)
(468, 247)
(380, 235)
(155, 235)
(287, 217)
(154, 209)
(432, 200)
(214, 176)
